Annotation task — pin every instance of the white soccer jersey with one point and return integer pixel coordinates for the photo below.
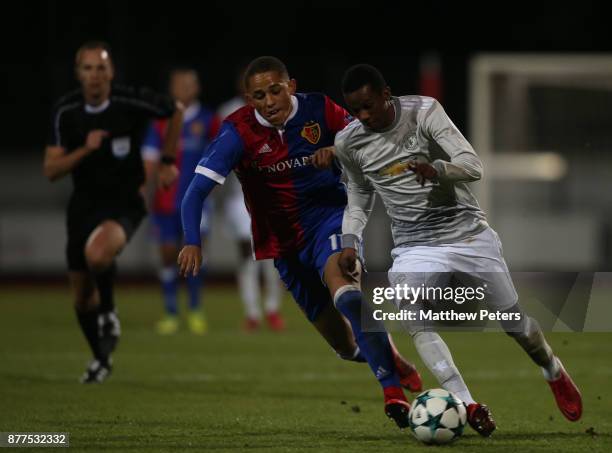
(440, 212)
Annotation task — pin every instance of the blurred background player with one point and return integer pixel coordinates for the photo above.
(239, 222)
(200, 125)
(95, 136)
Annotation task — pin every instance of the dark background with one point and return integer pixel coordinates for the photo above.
(317, 40)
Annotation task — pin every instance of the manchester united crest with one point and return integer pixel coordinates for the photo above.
(312, 132)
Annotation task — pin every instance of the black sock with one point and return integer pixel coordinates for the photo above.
(105, 281)
(88, 320)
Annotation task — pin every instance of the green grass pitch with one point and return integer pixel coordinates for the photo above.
(231, 391)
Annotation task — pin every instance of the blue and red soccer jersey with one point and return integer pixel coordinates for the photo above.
(287, 198)
(200, 126)
(296, 210)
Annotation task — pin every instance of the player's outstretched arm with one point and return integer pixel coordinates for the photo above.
(348, 263)
(167, 168)
(361, 198)
(220, 157)
(151, 153)
(190, 260)
(58, 163)
(190, 257)
(147, 189)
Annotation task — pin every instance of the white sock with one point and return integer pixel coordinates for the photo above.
(167, 274)
(248, 286)
(437, 357)
(273, 289)
(552, 371)
(533, 342)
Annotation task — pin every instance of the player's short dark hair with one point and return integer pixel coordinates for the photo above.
(93, 45)
(183, 69)
(264, 64)
(361, 75)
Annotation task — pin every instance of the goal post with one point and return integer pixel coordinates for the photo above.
(533, 117)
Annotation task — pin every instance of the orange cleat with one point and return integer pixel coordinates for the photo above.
(408, 374)
(396, 406)
(251, 325)
(480, 419)
(275, 321)
(567, 395)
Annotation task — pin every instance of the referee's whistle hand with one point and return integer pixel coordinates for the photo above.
(190, 260)
(94, 139)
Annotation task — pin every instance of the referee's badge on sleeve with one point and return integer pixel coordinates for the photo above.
(121, 147)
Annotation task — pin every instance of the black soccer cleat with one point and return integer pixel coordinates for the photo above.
(397, 410)
(96, 372)
(109, 331)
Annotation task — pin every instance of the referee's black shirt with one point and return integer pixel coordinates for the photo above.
(114, 171)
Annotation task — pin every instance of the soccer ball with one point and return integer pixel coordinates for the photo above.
(437, 417)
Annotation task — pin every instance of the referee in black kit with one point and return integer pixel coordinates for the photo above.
(95, 135)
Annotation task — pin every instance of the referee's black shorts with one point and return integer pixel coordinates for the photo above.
(85, 214)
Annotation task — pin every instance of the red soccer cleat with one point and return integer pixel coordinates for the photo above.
(480, 419)
(396, 406)
(251, 325)
(275, 321)
(567, 395)
(408, 374)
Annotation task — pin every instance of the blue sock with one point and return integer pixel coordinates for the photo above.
(356, 357)
(374, 346)
(168, 277)
(194, 285)
(359, 357)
